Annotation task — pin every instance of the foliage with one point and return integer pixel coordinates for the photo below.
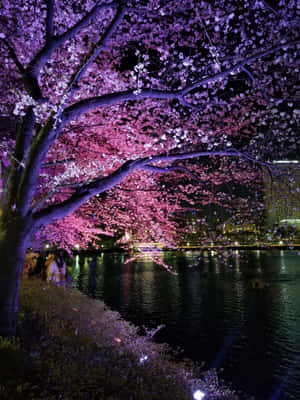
(11, 359)
(118, 99)
(76, 348)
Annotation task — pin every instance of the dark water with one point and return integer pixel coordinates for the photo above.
(211, 311)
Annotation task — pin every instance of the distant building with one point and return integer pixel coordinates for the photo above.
(282, 195)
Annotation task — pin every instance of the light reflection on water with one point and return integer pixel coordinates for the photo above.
(211, 310)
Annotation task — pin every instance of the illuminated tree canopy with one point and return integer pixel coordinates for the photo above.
(125, 100)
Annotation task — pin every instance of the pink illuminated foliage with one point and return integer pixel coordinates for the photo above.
(125, 112)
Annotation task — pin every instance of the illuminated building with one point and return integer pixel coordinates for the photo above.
(282, 195)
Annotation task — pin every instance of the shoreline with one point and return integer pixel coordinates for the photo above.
(75, 347)
(216, 247)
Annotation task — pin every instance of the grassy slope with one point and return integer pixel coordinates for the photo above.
(72, 347)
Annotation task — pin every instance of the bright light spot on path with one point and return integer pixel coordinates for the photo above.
(199, 395)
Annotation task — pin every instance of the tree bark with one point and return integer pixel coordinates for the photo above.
(14, 237)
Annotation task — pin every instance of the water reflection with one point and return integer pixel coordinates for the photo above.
(93, 276)
(212, 311)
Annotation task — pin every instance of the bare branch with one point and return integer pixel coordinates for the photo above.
(236, 67)
(14, 56)
(137, 190)
(267, 5)
(257, 83)
(58, 162)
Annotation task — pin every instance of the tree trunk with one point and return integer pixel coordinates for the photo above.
(13, 244)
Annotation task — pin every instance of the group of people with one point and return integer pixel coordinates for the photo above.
(51, 269)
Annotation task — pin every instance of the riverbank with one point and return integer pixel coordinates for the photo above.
(152, 247)
(72, 347)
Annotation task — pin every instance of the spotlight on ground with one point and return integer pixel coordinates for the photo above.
(198, 395)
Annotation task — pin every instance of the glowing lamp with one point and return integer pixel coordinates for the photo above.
(143, 359)
(198, 395)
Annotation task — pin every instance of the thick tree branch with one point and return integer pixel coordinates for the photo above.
(30, 82)
(48, 133)
(43, 56)
(37, 154)
(4, 187)
(94, 53)
(189, 155)
(34, 68)
(46, 137)
(145, 168)
(82, 194)
(92, 103)
(90, 58)
(100, 185)
(165, 170)
(49, 20)
(23, 140)
(39, 204)
(86, 105)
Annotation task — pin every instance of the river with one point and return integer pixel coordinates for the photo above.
(211, 311)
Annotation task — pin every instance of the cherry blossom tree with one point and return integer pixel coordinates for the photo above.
(125, 100)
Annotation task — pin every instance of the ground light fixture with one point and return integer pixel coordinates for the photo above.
(143, 358)
(198, 395)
